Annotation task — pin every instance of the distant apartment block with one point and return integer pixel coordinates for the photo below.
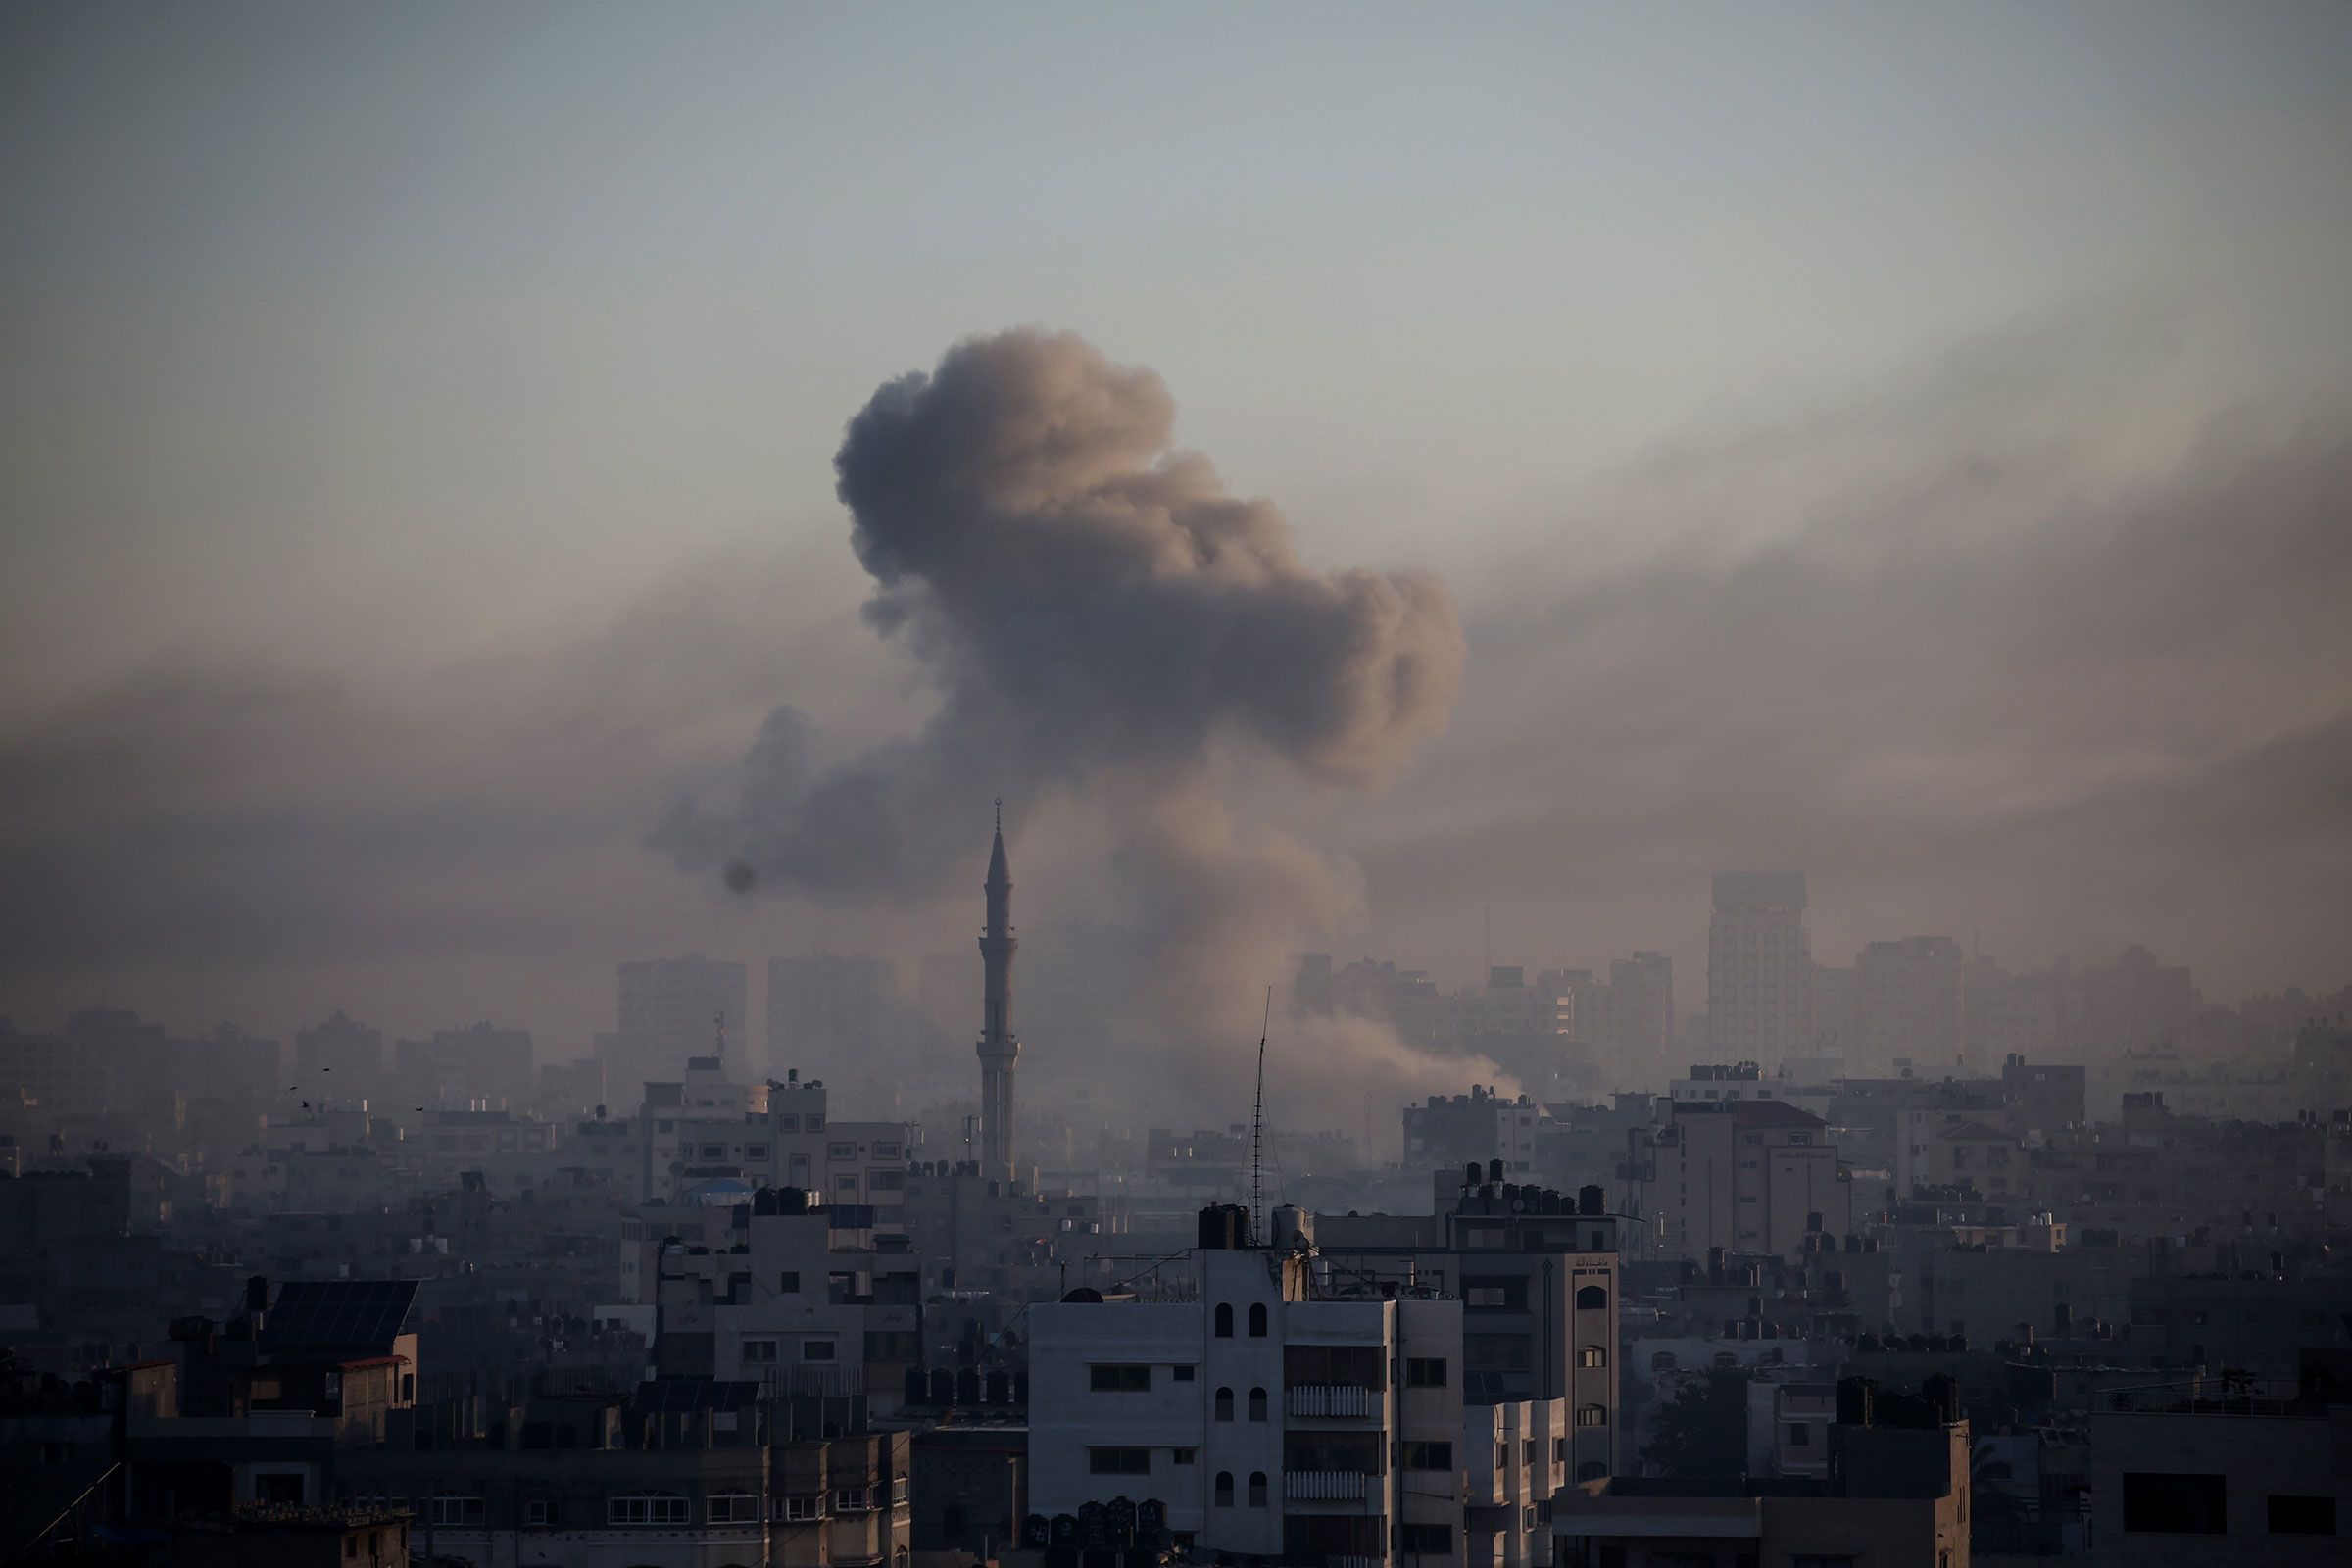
(1759, 967)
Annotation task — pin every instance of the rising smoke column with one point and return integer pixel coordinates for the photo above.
(1102, 620)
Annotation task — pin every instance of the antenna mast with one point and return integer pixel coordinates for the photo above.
(1258, 1132)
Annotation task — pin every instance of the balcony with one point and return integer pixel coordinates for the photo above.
(1325, 1486)
(1342, 1400)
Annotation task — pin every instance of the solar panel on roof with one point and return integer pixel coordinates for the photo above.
(339, 1312)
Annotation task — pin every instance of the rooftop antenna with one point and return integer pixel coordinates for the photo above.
(1257, 1131)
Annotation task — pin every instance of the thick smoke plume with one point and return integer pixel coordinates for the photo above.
(1104, 624)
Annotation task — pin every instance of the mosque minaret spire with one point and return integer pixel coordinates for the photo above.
(999, 1048)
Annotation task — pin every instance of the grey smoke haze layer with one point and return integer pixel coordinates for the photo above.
(2031, 638)
(1102, 624)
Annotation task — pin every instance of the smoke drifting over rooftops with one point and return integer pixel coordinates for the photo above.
(1103, 622)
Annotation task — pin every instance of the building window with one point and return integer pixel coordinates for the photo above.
(2170, 1503)
(1257, 1320)
(1224, 1405)
(815, 1121)
(1120, 1378)
(851, 1500)
(1119, 1461)
(454, 1511)
(1224, 1489)
(1428, 1456)
(538, 1511)
(817, 1350)
(714, 1150)
(1224, 1321)
(1425, 1372)
(754, 1150)
(1591, 1298)
(2301, 1516)
(1591, 1415)
(886, 1181)
(733, 1508)
(1258, 1405)
(800, 1510)
(1592, 1355)
(759, 1352)
(886, 1151)
(1184, 1371)
(789, 1281)
(1258, 1488)
(840, 1150)
(1185, 1455)
(1662, 1362)
(646, 1508)
(1430, 1540)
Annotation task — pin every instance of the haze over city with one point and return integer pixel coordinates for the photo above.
(1909, 446)
(1047, 786)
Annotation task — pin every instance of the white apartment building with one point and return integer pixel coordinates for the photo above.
(795, 1295)
(1747, 1176)
(705, 1129)
(1270, 1413)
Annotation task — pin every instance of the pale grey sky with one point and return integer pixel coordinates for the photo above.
(415, 436)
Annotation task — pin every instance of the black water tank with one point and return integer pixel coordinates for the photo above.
(998, 1386)
(919, 1386)
(1020, 1389)
(1495, 1170)
(1217, 1233)
(943, 1386)
(967, 1386)
(1592, 1199)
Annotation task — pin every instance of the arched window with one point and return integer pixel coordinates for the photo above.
(1591, 1298)
(1726, 1358)
(1257, 1320)
(1224, 1489)
(1258, 1488)
(1592, 1355)
(1224, 1321)
(1224, 1405)
(1258, 1405)
(1662, 1362)
(1592, 1470)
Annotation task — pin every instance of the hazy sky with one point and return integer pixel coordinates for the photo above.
(1910, 443)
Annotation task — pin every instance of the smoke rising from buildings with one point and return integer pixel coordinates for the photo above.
(1105, 626)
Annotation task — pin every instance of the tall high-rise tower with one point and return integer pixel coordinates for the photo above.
(1759, 968)
(998, 1047)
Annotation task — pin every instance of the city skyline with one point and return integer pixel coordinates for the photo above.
(1973, 541)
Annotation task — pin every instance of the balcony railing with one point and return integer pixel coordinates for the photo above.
(1324, 1486)
(1331, 1400)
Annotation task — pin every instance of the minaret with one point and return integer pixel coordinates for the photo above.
(998, 1047)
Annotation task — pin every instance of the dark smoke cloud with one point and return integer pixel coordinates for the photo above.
(1103, 622)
